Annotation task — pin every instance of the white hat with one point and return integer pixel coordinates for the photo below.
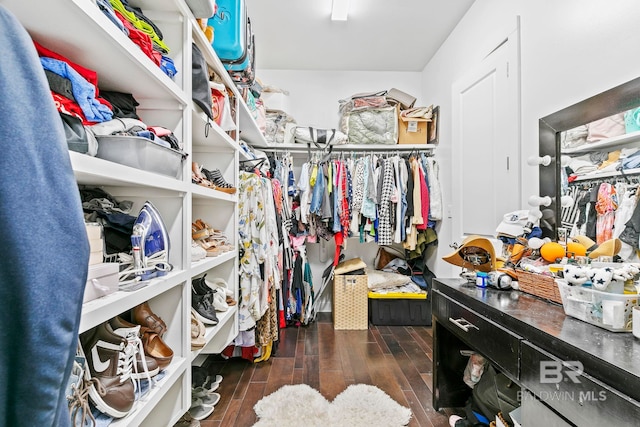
(513, 223)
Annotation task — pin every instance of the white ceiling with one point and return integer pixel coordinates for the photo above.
(380, 35)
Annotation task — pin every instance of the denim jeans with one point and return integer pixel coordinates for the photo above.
(45, 251)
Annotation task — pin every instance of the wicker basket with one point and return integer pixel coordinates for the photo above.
(350, 302)
(539, 285)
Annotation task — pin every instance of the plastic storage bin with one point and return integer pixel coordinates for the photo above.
(399, 309)
(604, 309)
(140, 153)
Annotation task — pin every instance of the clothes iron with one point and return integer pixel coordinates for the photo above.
(150, 242)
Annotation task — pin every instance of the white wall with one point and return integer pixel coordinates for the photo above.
(314, 95)
(570, 50)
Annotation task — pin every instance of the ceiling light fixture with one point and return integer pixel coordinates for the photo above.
(339, 10)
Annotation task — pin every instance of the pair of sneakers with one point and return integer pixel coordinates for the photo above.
(204, 397)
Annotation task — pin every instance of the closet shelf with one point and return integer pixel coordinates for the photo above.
(212, 331)
(90, 170)
(102, 47)
(142, 409)
(591, 177)
(249, 130)
(215, 137)
(102, 309)
(605, 143)
(204, 193)
(208, 263)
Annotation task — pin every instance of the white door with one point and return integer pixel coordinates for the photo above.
(486, 142)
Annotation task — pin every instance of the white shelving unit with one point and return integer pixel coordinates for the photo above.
(78, 30)
(607, 144)
(616, 141)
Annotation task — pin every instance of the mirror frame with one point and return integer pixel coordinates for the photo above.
(620, 98)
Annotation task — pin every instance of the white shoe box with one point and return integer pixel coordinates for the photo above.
(96, 244)
(102, 280)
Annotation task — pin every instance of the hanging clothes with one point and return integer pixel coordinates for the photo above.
(606, 205)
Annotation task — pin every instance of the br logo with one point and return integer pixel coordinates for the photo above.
(553, 372)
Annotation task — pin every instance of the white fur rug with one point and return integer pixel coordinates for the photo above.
(358, 405)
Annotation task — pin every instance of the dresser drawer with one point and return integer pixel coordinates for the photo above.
(481, 334)
(580, 398)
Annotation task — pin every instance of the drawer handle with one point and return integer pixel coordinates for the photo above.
(463, 324)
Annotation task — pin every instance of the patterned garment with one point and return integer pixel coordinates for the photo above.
(253, 241)
(605, 207)
(385, 228)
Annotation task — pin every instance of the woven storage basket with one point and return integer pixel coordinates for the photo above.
(539, 285)
(350, 302)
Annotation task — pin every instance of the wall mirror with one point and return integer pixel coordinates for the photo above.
(594, 168)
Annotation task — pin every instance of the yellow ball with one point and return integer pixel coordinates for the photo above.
(576, 249)
(551, 251)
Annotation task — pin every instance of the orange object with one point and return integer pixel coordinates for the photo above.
(576, 249)
(552, 251)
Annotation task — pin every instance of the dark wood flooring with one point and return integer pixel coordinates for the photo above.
(396, 359)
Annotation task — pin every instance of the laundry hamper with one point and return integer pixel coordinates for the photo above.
(350, 301)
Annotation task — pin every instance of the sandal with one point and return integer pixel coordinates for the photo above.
(198, 233)
(218, 181)
(221, 240)
(198, 178)
(212, 250)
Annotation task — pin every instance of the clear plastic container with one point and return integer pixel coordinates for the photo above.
(140, 153)
(611, 311)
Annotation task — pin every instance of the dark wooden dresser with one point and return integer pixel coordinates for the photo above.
(571, 372)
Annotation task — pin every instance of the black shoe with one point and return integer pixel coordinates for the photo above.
(203, 307)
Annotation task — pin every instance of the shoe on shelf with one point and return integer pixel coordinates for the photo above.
(218, 283)
(202, 304)
(198, 233)
(142, 315)
(197, 177)
(146, 367)
(197, 332)
(210, 248)
(220, 300)
(110, 362)
(77, 395)
(219, 183)
(221, 240)
(198, 253)
(155, 347)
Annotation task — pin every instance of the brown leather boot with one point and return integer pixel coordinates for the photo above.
(113, 392)
(142, 315)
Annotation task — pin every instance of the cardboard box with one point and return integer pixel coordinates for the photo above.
(412, 130)
(350, 302)
(102, 280)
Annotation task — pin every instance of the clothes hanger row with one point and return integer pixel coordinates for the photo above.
(633, 179)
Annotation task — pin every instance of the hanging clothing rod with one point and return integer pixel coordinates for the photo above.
(349, 148)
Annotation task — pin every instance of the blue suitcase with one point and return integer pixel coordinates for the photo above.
(233, 40)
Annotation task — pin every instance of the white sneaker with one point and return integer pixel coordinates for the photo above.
(197, 252)
(219, 283)
(219, 300)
